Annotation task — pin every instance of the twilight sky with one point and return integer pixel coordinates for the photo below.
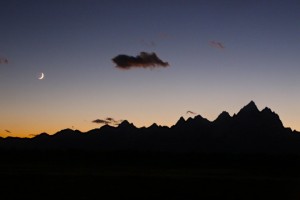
(220, 56)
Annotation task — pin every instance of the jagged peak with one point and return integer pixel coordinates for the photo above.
(225, 113)
(126, 124)
(267, 109)
(197, 117)
(223, 116)
(250, 107)
(154, 125)
(194, 117)
(189, 119)
(269, 114)
(197, 121)
(180, 121)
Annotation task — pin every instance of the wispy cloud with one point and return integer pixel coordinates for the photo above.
(144, 60)
(113, 121)
(110, 119)
(7, 131)
(100, 121)
(216, 44)
(107, 121)
(191, 112)
(3, 61)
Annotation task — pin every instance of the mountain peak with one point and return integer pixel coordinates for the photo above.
(154, 125)
(126, 124)
(271, 117)
(251, 105)
(180, 122)
(249, 108)
(223, 116)
(267, 110)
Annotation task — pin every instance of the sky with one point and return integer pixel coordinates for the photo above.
(144, 61)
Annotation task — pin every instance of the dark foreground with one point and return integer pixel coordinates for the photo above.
(118, 175)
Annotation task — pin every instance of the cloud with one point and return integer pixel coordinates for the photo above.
(100, 121)
(3, 61)
(191, 112)
(7, 131)
(144, 60)
(108, 121)
(216, 44)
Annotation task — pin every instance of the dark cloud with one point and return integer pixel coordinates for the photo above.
(144, 60)
(100, 121)
(108, 121)
(191, 112)
(112, 121)
(7, 131)
(216, 44)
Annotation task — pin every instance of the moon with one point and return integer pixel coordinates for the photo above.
(42, 75)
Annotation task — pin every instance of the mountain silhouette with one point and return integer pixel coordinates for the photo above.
(223, 117)
(250, 131)
(249, 108)
(125, 125)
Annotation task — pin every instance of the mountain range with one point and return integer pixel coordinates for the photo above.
(250, 131)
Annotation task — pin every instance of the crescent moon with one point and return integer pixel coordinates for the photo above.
(42, 76)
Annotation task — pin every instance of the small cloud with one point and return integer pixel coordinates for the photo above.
(144, 60)
(191, 112)
(108, 121)
(216, 44)
(7, 131)
(3, 61)
(100, 121)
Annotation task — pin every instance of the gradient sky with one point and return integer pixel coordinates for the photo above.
(73, 43)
